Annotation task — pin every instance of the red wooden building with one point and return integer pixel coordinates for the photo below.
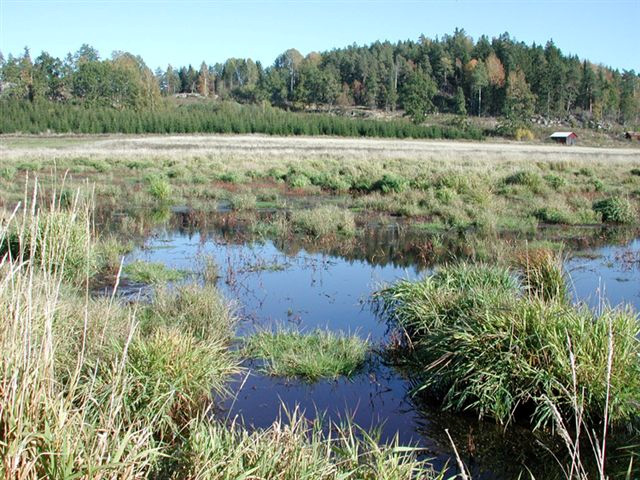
(568, 138)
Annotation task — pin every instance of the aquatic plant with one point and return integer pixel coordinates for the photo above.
(294, 448)
(479, 343)
(151, 272)
(542, 273)
(311, 356)
(159, 188)
(324, 220)
(243, 201)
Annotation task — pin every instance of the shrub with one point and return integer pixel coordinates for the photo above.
(635, 171)
(615, 210)
(523, 134)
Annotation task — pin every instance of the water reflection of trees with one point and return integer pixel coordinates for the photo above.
(379, 241)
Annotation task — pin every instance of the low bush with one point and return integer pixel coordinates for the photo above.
(524, 134)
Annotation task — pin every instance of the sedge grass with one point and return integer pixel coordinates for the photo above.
(479, 342)
(318, 354)
(88, 391)
(323, 221)
(151, 272)
(294, 448)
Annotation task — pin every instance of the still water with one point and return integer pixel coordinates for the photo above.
(276, 284)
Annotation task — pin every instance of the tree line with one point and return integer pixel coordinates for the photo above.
(453, 74)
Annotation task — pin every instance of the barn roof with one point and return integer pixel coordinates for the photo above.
(562, 134)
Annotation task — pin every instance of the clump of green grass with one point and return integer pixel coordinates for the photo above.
(298, 180)
(151, 272)
(635, 171)
(324, 220)
(200, 311)
(555, 181)
(312, 356)
(243, 201)
(230, 177)
(109, 252)
(159, 188)
(7, 173)
(390, 183)
(554, 216)
(171, 377)
(101, 397)
(58, 240)
(543, 273)
(478, 342)
(615, 210)
(295, 448)
(526, 178)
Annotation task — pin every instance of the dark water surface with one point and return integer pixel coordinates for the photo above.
(275, 284)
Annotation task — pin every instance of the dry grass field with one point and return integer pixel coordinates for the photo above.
(265, 147)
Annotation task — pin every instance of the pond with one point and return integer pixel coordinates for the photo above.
(309, 286)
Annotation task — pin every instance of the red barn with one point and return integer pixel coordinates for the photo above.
(568, 138)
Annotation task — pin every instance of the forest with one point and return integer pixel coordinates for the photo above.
(497, 77)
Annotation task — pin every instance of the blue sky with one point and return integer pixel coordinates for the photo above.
(186, 32)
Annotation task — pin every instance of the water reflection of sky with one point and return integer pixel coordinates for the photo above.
(608, 274)
(314, 290)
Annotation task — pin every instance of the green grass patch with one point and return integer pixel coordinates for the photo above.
(500, 343)
(159, 189)
(615, 210)
(324, 220)
(152, 272)
(312, 356)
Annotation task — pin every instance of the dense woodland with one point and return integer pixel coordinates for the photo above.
(499, 77)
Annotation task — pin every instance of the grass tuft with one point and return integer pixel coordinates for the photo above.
(323, 221)
(615, 210)
(295, 449)
(160, 189)
(543, 274)
(151, 272)
(319, 354)
(478, 343)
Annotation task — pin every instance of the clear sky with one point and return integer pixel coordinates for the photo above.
(188, 32)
